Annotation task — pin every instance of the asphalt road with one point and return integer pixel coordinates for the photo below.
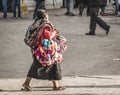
(86, 55)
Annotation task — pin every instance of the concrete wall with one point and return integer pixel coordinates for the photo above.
(53, 4)
(50, 4)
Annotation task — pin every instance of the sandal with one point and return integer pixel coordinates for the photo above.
(59, 88)
(26, 88)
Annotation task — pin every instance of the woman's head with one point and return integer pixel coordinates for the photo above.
(42, 14)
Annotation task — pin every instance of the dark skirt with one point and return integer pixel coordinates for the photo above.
(52, 72)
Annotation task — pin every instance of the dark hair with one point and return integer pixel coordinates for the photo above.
(41, 14)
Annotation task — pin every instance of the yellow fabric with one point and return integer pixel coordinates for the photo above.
(24, 8)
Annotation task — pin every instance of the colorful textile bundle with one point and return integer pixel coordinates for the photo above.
(50, 45)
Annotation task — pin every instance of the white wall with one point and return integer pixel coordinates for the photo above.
(48, 3)
(55, 1)
(53, 4)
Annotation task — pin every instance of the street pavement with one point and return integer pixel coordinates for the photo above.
(91, 64)
(84, 85)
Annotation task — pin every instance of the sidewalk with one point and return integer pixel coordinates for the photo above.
(84, 85)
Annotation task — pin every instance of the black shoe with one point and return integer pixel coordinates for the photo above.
(108, 30)
(67, 13)
(89, 33)
(80, 14)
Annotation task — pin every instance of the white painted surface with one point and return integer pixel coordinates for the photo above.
(50, 4)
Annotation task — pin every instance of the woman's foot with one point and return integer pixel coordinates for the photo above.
(59, 88)
(27, 87)
(56, 86)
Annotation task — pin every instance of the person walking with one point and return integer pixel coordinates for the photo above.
(4, 8)
(70, 7)
(40, 4)
(45, 64)
(16, 5)
(94, 19)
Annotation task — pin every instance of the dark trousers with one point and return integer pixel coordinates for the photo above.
(81, 7)
(16, 3)
(94, 19)
(39, 5)
(4, 8)
(70, 6)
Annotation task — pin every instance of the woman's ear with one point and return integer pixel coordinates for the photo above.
(46, 16)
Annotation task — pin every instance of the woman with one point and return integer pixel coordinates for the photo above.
(40, 69)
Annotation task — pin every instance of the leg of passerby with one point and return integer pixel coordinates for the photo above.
(81, 8)
(26, 84)
(92, 26)
(70, 6)
(88, 11)
(95, 19)
(119, 11)
(56, 86)
(103, 24)
(4, 7)
(76, 3)
(109, 1)
(35, 11)
(38, 6)
(19, 9)
(102, 13)
(116, 7)
(67, 7)
(93, 16)
(64, 3)
(43, 5)
(14, 9)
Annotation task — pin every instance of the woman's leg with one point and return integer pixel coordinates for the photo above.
(26, 84)
(56, 85)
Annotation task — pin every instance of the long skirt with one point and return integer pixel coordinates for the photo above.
(52, 72)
